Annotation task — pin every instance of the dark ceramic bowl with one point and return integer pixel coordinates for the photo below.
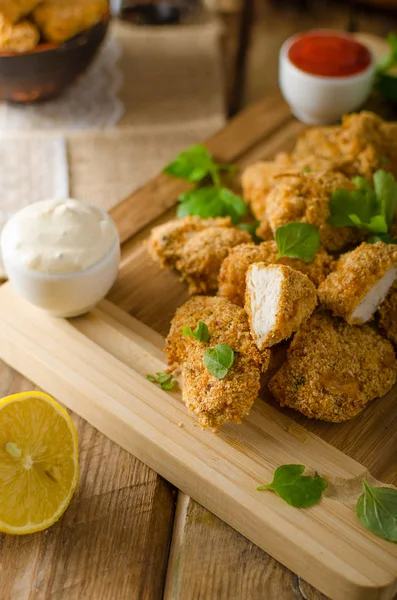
(47, 70)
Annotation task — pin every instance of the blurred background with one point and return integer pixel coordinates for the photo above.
(255, 30)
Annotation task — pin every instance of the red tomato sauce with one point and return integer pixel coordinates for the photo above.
(329, 54)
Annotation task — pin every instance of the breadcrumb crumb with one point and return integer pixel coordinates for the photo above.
(305, 198)
(232, 274)
(334, 370)
(388, 316)
(166, 242)
(202, 256)
(360, 281)
(216, 401)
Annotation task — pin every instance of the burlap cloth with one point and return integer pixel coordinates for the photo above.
(172, 92)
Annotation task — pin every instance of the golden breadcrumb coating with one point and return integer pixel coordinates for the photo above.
(22, 37)
(235, 266)
(363, 144)
(305, 198)
(216, 401)
(203, 254)
(334, 369)
(257, 180)
(14, 10)
(166, 241)
(60, 20)
(388, 315)
(278, 300)
(355, 276)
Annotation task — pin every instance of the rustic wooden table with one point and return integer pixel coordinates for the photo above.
(128, 533)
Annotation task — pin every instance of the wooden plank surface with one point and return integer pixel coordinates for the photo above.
(138, 281)
(115, 534)
(326, 544)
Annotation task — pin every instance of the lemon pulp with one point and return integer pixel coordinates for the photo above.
(38, 462)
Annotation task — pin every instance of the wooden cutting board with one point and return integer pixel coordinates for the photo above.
(96, 365)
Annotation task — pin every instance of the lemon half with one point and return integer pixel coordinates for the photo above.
(38, 462)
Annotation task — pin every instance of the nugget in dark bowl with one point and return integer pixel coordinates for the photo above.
(47, 70)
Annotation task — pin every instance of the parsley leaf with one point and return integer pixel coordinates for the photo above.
(368, 208)
(298, 490)
(377, 511)
(164, 380)
(390, 60)
(384, 82)
(297, 240)
(385, 187)
(251, 228)
(219, 360)
(206, 202)
(382, 237)
(193, 165)
(201, 332)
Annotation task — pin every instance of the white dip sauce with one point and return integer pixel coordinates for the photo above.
(59, 236)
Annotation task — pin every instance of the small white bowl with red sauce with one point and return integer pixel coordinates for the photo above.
(324, 74)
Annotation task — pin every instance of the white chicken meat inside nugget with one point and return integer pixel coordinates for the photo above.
(278, 301)
(360, 282)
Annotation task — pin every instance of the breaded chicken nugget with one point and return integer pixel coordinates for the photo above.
(257, 180)
(363, 144)
(60, 20)
(166, 241)
(360, 282)
(278, 300)
(232, 275)
(22, 37)
(334, 369)
(203, 254)
(388, 315)
(216, 401)
(305, 198)
(14, 10)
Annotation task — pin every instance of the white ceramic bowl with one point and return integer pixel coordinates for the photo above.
(63, 295)
(318, 100)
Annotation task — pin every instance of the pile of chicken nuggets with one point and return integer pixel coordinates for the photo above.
(337, 314)
(23, 23)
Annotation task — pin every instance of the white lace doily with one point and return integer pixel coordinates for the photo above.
(91, 102)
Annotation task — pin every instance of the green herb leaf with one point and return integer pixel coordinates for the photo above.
(382, 237)
(365, 207)
(390, 60)
(251, 228)
(219, 360)
(298, 490)
(385, 187)
(164, 380)
(377, 511)
(206, 202)
(201, 333)
(297, 240)
(384, 82)
(306, 170)
(376, 224)
(387, 86)
(194, 164)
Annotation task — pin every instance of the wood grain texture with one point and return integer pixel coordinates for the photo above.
(239, 569)
(113, 541)
(160, 194)
(326, 545)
